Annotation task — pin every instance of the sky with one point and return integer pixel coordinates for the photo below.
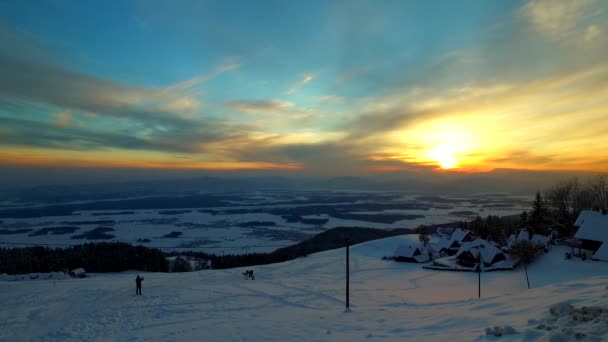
(323, 88)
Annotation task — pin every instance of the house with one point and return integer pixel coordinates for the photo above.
(449, 245)
(462, 235)
(584, 215)
(472, 252)
(593, 234)
(446, 246)
(410, 252)
(445, 231)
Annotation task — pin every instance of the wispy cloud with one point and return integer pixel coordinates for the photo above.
(560, 19)
(593, 33)
(186, 85)
(331, 99)
(306, 78)
(261, 106)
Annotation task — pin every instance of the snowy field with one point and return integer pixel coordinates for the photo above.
(248, 222)
(303, 300)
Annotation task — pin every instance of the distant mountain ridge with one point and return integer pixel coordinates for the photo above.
(513, 181)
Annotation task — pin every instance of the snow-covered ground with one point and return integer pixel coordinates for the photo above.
(218, 232)
(303, 300)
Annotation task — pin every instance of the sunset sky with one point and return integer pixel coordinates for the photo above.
(313, 87)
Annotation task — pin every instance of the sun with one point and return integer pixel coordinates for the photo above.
(444, 155)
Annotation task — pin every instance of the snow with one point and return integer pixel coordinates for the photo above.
(221, 233)
(602, 252)
(35, 276)
(459, 234)
(584, 215)
(523, 235)
(412, 249)
(479, 247)
(594, 226)
(303, 300)
(541, 240)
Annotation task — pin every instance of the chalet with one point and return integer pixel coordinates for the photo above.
(584, 215)
(593, 234)
(411, 253)
(472, 252)
(447, 246)
(462, 235)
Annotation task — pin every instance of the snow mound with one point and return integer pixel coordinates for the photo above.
(567, 323)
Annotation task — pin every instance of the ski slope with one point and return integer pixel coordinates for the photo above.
(303, 300)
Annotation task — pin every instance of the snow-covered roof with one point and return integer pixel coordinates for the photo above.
(78, 271)
(584, 215)
(459, 234)
(479, 246)
(443, 243)
(593, 227)
(523, 235)
(602, 252)
(407, 250)
(511, 239)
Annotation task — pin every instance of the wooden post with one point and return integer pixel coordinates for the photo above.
(347, 274)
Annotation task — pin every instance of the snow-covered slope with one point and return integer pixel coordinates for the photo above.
(303, 300)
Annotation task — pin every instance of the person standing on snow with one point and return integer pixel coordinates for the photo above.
(138, 281)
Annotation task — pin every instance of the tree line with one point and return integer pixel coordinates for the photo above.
(119, 256)
(554, 210)
(93, 257)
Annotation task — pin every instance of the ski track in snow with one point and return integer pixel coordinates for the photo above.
(302, 300)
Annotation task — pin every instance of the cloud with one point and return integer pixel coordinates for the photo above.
(143, 111)
(63, 119)
(306, 78)
(185, 104)
(61, 87)
(593, 33)
(193, 139)
(559, 19)
(261, 106)
(331, 99)
(202, 78)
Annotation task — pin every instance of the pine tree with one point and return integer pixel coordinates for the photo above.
(523, 218)
(538, 216)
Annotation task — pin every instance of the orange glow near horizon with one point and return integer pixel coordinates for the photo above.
(38, 158)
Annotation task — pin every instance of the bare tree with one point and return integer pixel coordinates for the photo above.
(598, 189)
(424, 234)
(565, 203)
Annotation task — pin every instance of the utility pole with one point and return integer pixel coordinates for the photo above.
(347, 275)
(527, 280)
(478, 269)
